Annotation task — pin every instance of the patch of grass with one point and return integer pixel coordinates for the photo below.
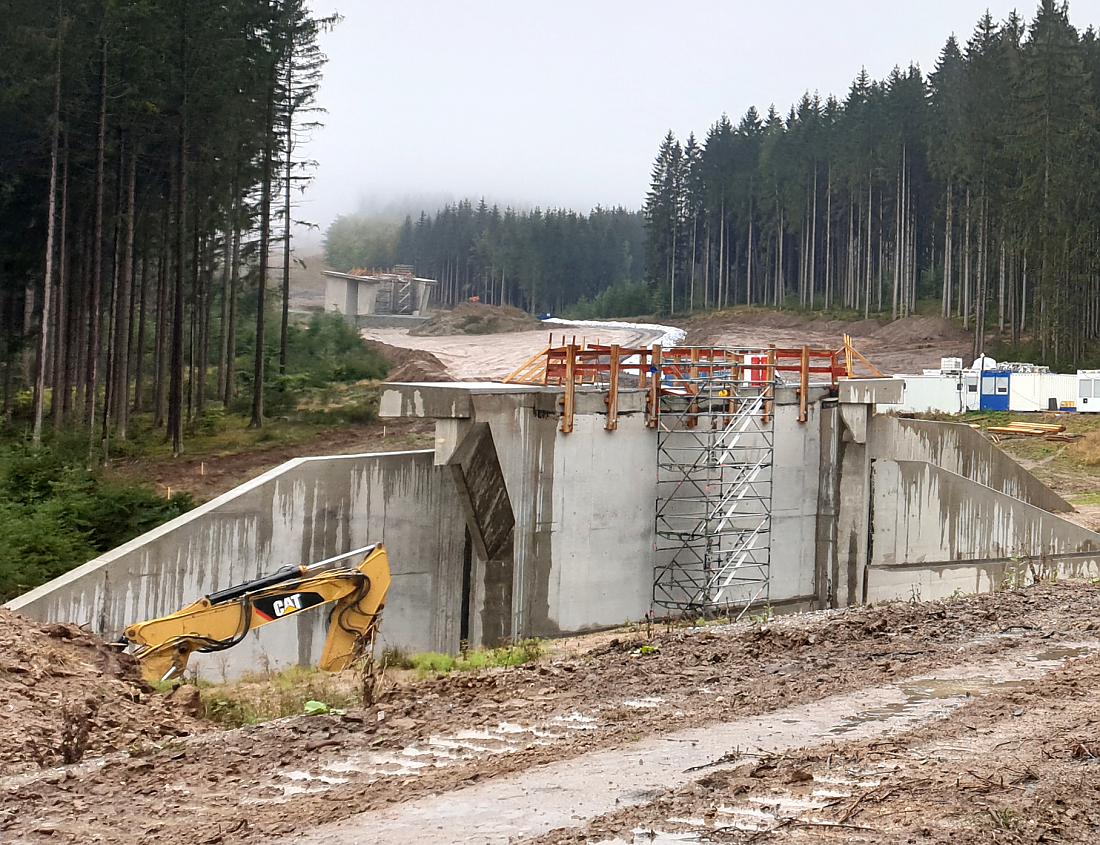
(1087, 450)
(291, 692)
(431, 662)
(1086, 499)
(309, 691)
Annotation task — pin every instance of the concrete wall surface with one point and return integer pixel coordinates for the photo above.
(303, 511)
(958, 448)
(924, 514)
(940, 581)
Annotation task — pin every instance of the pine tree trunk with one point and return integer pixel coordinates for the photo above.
(63, 351)
(948, 253)
(142, 328)
(234, 294)
(829, 238)
(265, 247)
(51, 233)
(175, 357)
(91, 386)
(124, 314)
(965, 300)
(284, 329)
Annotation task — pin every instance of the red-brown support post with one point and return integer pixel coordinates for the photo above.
(804, 386)
(654, 404)
(613, 391)
(770, 388)
(569, 398)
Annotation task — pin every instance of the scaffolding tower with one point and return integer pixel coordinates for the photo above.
(715, 444)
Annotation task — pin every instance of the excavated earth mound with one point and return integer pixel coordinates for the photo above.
(477, 318)
(410, 364)
(65, 694)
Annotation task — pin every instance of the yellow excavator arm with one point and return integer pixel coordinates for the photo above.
(222, 619)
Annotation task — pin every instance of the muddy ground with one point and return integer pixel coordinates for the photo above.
(65, 694)
(903, 346)
(1018, 748)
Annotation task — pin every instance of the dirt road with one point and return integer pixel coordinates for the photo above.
(904, 346)
(494, 356)
(777, 731)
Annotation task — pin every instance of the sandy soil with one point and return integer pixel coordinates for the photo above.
(908, 345)
(463, 732)
(494, 356)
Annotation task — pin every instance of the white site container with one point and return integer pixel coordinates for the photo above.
(1088, 391)
(1042, 392)
(926, 394)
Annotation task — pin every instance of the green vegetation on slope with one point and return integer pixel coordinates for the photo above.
(56, 514)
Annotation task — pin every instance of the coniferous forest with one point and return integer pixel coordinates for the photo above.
(148, 157)
(975, 186)
(538, 260)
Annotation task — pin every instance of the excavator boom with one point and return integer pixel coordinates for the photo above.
(221, 620)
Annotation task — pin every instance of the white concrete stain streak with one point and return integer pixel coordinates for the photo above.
(572, 792)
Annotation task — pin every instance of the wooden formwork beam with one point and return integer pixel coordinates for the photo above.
(769, 391)
(653, 406)
(804, 386)
(569, 398)
(613, 390)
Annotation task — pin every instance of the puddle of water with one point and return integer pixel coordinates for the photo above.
(647, 703)
(951, 692)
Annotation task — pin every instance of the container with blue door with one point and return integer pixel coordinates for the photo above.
(995, 390)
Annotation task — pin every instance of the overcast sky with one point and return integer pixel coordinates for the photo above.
(563, 103)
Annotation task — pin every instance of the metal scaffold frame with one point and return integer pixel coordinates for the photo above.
(712, 408)
(715, 447)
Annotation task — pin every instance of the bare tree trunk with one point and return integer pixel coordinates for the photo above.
(143, 327)
(284, 329)
(161, 349)
(265, 247)
(91, 386)
(234, 284)
(63, 350)
(867, 286)
(51, 232)
(175, 362)
(829, 238)
(948, 251)
(124, 314)
(1001, 288)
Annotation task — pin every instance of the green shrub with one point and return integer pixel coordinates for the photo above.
(56, 514)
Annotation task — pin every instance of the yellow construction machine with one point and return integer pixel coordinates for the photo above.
(222, 619)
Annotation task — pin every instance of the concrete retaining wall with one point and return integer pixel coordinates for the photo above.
(922, 513)
(863, 508)
(302, 511)
(958, 448)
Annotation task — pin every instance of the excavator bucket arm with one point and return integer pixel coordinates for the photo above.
(219, 621)
(354, 620)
